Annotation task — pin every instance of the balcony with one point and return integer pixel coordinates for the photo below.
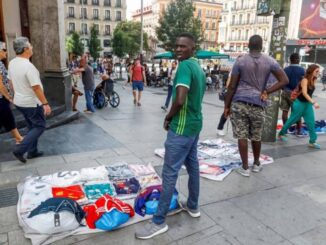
(107, 18)
(83, 17)
(107, 3)
(118, 19)
(95, 3)
(70, 1)
(96, 18)
(106, 33)
(118, 6)
(71, 16)
(69, 32)
(83, 32)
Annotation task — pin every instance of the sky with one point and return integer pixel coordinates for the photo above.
(132, 5)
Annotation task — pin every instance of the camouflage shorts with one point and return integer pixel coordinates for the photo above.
(286, 102)
(247, 121)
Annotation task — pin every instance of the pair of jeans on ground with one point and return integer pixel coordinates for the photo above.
(179, 150)
(302, 109)
(89, 99)
(35, 120)
(168, 97)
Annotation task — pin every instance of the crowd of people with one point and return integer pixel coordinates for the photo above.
(245, 103)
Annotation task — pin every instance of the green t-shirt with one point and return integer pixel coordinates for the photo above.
(189, 120)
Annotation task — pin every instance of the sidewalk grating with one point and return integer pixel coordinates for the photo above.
(8, 197)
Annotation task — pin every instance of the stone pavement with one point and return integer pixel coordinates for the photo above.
(285, 204)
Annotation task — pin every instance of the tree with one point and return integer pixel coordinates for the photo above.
(74, 45)
(126, 39)
(178, 18)
(94, 43)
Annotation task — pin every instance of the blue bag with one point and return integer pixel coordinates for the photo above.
(151, 206)
(111, 220)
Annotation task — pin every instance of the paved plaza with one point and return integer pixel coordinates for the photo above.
(284, 204)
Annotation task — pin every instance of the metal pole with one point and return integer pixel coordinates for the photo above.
(141, 32)
(83, 18)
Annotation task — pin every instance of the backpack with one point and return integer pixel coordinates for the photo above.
(56, 215)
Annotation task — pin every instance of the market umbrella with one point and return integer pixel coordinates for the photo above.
(206, 54)
(166, 55)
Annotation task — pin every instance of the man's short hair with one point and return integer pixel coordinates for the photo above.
(295, 58)
(20, 43)
(187, 35)
(255, 43)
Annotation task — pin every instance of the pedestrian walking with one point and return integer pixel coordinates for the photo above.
(29, 98)
(184, 123)
(7, 119)
(246, 99)
(138, 78)
(303, 106)
(88, 82)
(73, 65)
(323, 79)
(171, 77)
(295, 74)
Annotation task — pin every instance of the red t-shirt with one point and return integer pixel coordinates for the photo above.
(137, 73)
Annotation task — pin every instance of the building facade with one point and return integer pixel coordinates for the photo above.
(81, 15)
(239, 21)
(208, 11)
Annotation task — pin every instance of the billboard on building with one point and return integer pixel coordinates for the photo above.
(268, 7)
(313, 19)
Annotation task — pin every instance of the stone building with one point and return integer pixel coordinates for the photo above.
(239, 21)
(80, 15)
(207, 10)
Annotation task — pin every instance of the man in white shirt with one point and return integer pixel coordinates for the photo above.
(29, 98)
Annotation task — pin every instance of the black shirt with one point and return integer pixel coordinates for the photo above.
(310, 92)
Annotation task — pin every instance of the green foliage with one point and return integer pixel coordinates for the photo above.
(126, 39)
(178, 18)
(74, 45)
(94, 43)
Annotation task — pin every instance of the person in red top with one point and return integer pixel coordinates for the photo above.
(138, 78)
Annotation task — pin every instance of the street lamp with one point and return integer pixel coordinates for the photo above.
(141, 32)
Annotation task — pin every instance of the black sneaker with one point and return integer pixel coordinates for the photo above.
(35, 155)
(19, 157)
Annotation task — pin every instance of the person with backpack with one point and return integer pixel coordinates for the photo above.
(138, 78)
(303, 106)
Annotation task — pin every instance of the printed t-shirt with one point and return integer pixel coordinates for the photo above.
(188, 121)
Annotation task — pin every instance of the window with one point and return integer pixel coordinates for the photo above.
(83, 2)
(107, 15)
(240, 19)
(83, 13)
(70, 1)
(118, 16)
(247, 34)
(96, 27)
(107, 30)
(234, 5)
(199, 13)
(207, 25)
(71, 27)
(84, 28)
(106, 42)
(95, 2)
(233, 19)
(207, 12)
(248, 18)
(95, 14)
(107, 3)
(118, 3)
(239, 34)
(214, 26)
(71, 12)
(212, 37)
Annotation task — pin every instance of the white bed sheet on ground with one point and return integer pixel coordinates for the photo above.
(221, 156)
(31, 184)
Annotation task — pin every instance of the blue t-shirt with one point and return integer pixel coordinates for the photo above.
(295, 74)
(254, 71)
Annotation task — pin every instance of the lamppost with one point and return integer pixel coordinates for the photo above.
(141, 32)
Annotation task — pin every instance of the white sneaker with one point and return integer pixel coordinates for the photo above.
(256, 168)
(243, 172)
(220, 132)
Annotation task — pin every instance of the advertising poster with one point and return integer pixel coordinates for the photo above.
(313, 19)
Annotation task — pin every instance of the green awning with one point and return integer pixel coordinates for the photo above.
(206, 54)
(166, 55)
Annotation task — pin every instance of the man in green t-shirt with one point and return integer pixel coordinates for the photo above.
(183, 123)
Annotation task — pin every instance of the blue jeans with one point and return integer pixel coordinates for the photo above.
(168, 97)
(35, 120)
(179, 150)
(89, 99)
